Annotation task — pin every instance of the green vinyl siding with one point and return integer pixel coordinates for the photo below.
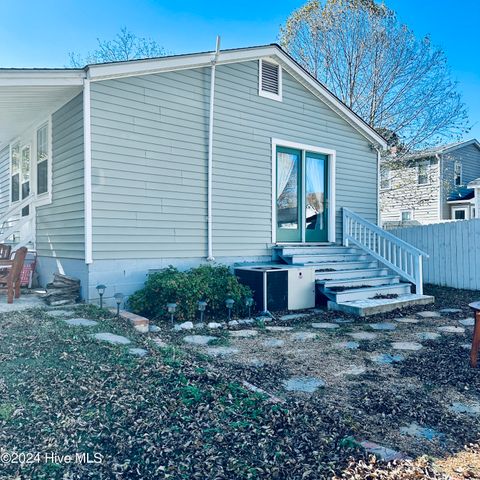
(60, 225)
(149, 162)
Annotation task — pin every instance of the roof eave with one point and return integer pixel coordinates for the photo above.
(41, 78)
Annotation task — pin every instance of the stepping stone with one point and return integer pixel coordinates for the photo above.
(198, 339)
(60, 313)
(352, 370)
(452, 329)
(244, 333)
(363, 335)
(428, 336)
(221, 351)
(153, 328)
(183, 326)
(214, 325)
(303, 384)
(273, 343)
(325, 325)
(342, 320)
(139, 352)
(450, 310)
(233, 323)
(381, 452)
(406, 320)
(471, 408)
(303, 336)
(347, 345)
(412, 346)
(429, 314)
(279, 329)
(415, 430)
(382, 326)
(387, 358)
(111, 338)
(81, 322)
(467, 322)
(294, 316)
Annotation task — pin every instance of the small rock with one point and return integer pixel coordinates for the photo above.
(466, 346)
(153, 328)
(416, 430)
(273, 343)
(467, 322)
(413, 346)
(246, 321)
(386, 358)
(471, 408)
(428, 336)
(363, 335)
(183, 326)
(294, 316)
(381, 452)
(406, 320)
(303, 384)
(279, 329)
(233, 323)
(81, 322)
(198, 339)
(382, 326)
(214, 325)
(139, 352)
(159, 343)
(452, 329)
(325, 325)
(348, 345)
(255, 362)
(244, 333)
(450, 310)
(199, 325)
(111, 338)
(303, 336)
(429, 314)
(352, 370)
(221, 351)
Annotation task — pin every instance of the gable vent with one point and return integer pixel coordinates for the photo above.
(270, 80)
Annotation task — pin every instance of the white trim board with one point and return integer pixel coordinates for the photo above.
(331, 155)
(87, 177)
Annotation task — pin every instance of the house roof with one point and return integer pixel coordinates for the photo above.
(442, 149)
(474, 183)
(33, 77)
(461, 193)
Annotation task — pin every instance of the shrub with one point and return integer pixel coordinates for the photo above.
(214, 284)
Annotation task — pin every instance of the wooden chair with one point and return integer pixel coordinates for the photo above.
(11, 272)
(475, 306)
(5, 251)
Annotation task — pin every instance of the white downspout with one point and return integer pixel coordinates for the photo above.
(379, 213)
(210, 256)
(87, 179)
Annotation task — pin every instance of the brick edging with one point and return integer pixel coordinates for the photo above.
(141, 324)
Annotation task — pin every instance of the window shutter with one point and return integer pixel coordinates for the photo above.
(270, 78)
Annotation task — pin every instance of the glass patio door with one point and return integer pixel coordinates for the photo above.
(301, 196)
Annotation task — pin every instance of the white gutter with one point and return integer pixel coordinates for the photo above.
(87, 177)
(210, 256)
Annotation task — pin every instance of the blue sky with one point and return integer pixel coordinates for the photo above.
(40, 34)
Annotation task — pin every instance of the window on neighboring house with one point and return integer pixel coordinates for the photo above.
(270, 80)
(42, 159)
(459, 214)
(385, 178)
(458, 173)
(423, 171)
(406, 216)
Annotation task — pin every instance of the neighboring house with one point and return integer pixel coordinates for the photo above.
(116, 169)
(433, 188)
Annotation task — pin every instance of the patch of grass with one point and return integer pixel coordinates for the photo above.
(223, 341)
(6, 411)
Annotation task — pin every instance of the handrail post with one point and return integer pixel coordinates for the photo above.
(344, 228)
(419, 275)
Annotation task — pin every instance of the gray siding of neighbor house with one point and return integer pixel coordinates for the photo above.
(470, 158)
(60, 225)
(149, 171)
(4, 179)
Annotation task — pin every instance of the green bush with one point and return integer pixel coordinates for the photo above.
(214, 284)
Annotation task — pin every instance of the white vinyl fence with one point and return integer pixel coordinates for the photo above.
(454, 250)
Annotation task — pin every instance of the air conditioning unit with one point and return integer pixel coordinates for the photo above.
(279, 287)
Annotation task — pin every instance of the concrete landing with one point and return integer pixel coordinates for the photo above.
(372, 306)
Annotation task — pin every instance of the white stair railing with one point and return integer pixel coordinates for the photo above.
(12, 221)
(400, 256)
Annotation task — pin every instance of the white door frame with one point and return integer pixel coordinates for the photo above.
(331, 159)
